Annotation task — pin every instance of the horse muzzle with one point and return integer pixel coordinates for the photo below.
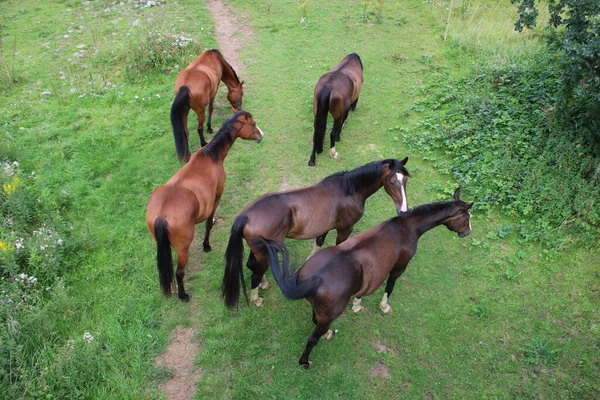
(463, 234)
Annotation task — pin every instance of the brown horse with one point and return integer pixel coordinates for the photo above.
(337, 93)
(196, 87)
(337, 202)
(359, 266)
(191, 196)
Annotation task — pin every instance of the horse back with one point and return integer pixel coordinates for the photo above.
(202, 76)
(352, 67)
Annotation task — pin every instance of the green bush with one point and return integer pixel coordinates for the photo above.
(503, 142)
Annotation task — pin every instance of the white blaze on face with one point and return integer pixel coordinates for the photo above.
(404, 206)
(261, 132)
(470, 221)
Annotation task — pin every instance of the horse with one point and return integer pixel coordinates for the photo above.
(196, 87)
(337, 202)
(337, 93)
(358, 266)
(191, 196)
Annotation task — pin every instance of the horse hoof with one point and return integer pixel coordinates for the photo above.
(328, 335)
(357, 309)
(306, 366)
(333, 153)
(185, 297)
(259, 302)
(206, 248)
(311, 163)
(387, 309)
(209, 130)
(265, 286)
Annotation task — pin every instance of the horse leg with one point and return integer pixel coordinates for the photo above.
(201, 128)
(353, 105)
(325, 313)
(317, 245)
(389, 287)
(342, 235)
(210, 111)
(182, 259)
(335, 136)
(258, 267)
(209, 224)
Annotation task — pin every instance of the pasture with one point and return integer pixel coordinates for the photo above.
(85, 138)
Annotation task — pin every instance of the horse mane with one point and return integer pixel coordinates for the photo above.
(356, 56)
(225, 61)
(361, 177)
(431, 208)
(222, 138)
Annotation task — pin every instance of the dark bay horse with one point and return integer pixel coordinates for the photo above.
(196, 87)
(337, 202)
(337, 93)
(191, 196)
(357, 267)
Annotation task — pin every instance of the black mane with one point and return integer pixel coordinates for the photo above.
(230, 67)
(354, 55)
(431, 208)
(362, 177)
(223, 137)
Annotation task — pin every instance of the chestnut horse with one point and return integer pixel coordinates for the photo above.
(196, 87)
(359, 266)
(337, 202)
(191, 196)
(337, 93)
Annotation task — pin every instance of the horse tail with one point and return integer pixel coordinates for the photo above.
(179, 110)
(286, 277)
(164, 259)
(234, 257)
(321, 117)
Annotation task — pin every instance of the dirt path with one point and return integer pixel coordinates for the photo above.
(182, 350)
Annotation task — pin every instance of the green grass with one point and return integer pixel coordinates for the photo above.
(479, 317)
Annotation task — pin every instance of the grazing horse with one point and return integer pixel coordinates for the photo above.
(359, 266)
(337, 93)
(196, 87)
(191, 196)
(337, 202)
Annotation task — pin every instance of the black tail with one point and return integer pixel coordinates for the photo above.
(179, 109)
(321, 118)
(234, 257)
(164, 259)
(287, 278)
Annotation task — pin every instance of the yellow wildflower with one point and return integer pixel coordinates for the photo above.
(12, 186)
(4, 247)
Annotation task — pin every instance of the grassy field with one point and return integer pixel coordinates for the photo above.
(486, 316)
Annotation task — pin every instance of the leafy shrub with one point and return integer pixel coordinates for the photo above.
(503, 143)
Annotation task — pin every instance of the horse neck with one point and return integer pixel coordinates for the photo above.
(220, 147)
(228, 76)
(425, 221)
(367, 191)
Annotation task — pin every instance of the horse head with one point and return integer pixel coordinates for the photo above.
(460, 221)
(249, 129)
(234, 95)
(395, 177)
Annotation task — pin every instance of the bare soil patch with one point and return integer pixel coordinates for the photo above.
(230, 31)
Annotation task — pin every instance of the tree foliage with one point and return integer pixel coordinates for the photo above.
(574, 30)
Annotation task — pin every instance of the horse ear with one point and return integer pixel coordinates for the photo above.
(469, 205)
(403, 162)
(392, 165)
(242, 83)
(457, 194)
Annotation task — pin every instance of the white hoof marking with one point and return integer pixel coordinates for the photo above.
(333, 153)
(328, 335)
